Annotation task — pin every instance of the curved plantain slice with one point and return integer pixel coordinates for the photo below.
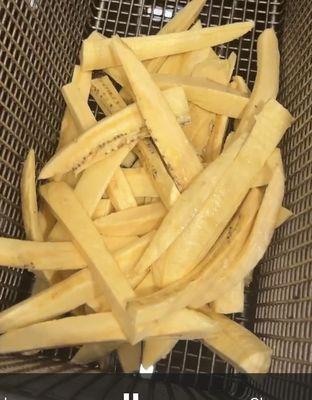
(56, 300)
(267, 78)
(98, 54)
(29, 199)
(237, 345)
(225, 250)
(199, 236)
(109, 134)
(186, 207)
(217, 279)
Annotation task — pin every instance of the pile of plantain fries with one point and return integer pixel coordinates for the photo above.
(151, 220)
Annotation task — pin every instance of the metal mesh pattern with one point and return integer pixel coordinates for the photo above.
(39, 44)
(284, 306)
(38, 48)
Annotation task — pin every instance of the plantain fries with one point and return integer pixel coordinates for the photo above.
(259, 238)
(182, 292)
(186, 207)
(68, 132)
(30, 213)
(154, 166)
(39, 255)
(179, 156)
(111, 133)
(267, 78)
(98, 54)
(132, 221)
(29, 199)
(104, 93)
(94, 352)
(91, 187)
(103, 208)
(236, 345)
(208, 95)
(78, 287)
(78, 107)
(152, 222)
(119, 191)
(154, 349)
(216, 279)
(56, 300)
(180, 22)
(140, 183)
(104, 268)
(89, 329)
(130, 357)
(230, 302)
(200, 128)
(207, 225)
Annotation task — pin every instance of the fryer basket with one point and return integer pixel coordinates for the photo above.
(40, 40)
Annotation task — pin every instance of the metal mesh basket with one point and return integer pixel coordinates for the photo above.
(40, 40)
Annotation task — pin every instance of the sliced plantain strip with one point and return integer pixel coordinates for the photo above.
(179, 156)
(98, 54)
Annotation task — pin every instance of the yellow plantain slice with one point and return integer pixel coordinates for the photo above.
(98, 54)
(179, 156)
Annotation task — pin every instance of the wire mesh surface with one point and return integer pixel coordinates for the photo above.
(39, 44)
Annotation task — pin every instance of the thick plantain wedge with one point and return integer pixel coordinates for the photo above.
(108, 277)
(237, 345)
(98, 54)
(179, 156)
(100, 327)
